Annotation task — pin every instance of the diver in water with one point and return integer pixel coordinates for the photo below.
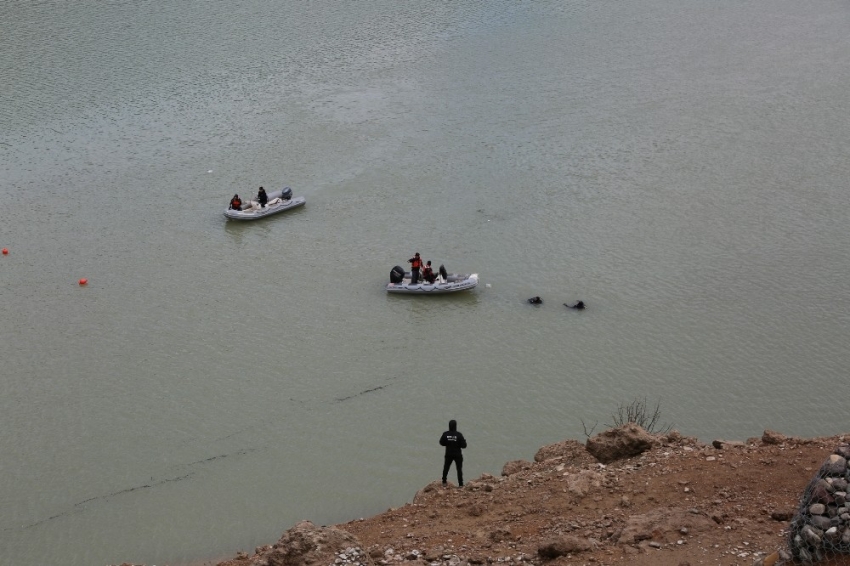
(578, 306)
(535, 301)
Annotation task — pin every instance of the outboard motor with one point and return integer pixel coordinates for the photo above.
(397, 274)
(443, 273)
(286, 193)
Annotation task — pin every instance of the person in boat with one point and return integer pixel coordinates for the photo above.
(415, 264)
(535, 301)
(262, 197)
(236, 203)
(428, 273)
(578, 306)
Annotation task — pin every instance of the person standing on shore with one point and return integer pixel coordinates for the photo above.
(454, 442)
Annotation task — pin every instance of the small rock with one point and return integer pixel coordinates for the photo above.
(781, 515)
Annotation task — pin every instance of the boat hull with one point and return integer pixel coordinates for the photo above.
(453, 284)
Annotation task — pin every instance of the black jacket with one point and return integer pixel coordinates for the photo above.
(453, 440)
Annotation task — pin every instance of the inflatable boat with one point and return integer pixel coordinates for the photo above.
(279, 201)
(445, 283)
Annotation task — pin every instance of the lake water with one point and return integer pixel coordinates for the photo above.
(679, 166)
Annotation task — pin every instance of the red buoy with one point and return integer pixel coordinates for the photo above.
(83, 281)
(5, 251)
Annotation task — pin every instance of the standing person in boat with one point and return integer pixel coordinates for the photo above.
(236, 203)
(415, 263)
(454, 442)
(428, 273)
(262, 197)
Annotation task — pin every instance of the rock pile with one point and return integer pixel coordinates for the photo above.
(351, 556)
(305, 543)
(821, 527)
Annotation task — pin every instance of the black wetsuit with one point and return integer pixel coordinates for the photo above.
(454, 443)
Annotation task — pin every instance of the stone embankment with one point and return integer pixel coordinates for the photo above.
(821, 527)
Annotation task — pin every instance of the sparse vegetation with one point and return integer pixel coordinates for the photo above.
(587, 433)
(637, 412)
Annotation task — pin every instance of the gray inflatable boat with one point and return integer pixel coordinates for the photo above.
(445, 283)
(279, 201)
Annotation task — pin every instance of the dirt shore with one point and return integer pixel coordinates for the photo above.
(682, 502)
(694, 503)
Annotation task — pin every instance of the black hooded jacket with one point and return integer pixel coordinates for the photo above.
(453, 440)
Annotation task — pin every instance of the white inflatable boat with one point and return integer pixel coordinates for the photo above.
(279, 201)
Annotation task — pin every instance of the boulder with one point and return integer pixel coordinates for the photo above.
(773, 437)
(620, 442)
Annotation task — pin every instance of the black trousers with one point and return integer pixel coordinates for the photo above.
(414, 276)
(458, 460)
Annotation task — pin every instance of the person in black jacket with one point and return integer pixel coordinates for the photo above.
(454, 442)
(262, 197)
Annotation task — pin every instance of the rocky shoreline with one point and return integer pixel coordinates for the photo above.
(623, 497)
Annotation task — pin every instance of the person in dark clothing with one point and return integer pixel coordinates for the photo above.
(535, 301)
(454, 442)
(262, 197)
(415, 263)
(236, 203)
(579, 305)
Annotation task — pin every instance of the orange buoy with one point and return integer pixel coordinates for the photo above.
(5, 251)
(83, 281)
